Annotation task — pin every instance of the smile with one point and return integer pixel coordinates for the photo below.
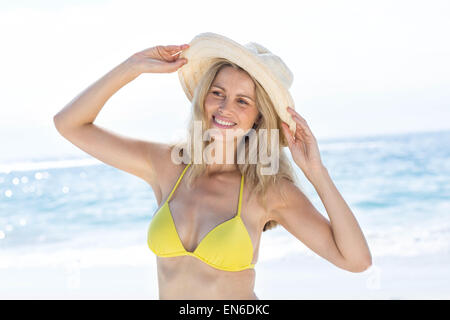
(223, 124)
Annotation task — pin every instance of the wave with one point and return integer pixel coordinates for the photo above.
(51, 164)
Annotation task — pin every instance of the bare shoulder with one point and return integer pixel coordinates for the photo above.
(282, 195)
(159, 155)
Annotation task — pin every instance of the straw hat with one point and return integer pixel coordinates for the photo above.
(270, 71)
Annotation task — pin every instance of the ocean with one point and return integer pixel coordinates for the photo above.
(64, 211)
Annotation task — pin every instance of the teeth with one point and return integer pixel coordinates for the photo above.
(223, 122)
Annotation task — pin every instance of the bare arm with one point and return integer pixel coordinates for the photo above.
(339, 240)
(75, 121)
(347, 233)
(85, 107)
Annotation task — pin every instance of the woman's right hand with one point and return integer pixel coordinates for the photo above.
(159, 59)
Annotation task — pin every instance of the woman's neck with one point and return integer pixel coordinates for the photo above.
(221, 163)
(215, 168)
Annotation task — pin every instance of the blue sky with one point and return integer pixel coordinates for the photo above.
(360, 67)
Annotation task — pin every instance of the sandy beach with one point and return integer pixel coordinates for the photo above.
(294, 277)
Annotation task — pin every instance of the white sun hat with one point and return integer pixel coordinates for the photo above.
(267, 68)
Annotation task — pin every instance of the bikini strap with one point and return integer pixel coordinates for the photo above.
(240, 195)
(178, 181)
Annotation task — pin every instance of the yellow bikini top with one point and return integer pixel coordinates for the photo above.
(226, 247)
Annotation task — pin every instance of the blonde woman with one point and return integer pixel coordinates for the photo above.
(211, 213)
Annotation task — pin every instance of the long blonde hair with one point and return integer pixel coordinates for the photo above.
(268, 119)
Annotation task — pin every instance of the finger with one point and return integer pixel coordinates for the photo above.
(295, 115)
(288, 134)
(169, 56)
(176, 48)
(174, 66)
(304, 132)
(175, 51)
(172, 47)
(176, 54)
(178, 63)
(291, 110)
(303, 125)
(299, 121)
(169, 66)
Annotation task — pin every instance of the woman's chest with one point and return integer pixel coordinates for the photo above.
(205, 209)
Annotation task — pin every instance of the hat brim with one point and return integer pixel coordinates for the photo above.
(206, 47)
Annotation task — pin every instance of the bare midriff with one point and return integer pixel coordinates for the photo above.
(186, 277)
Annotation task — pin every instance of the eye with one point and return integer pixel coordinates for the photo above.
(240, 100)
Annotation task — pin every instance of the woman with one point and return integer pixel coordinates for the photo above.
(211, 213)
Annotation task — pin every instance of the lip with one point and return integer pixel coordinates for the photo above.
(219, 125)
(223, 119)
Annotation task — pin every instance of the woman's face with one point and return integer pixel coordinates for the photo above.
(231, 100)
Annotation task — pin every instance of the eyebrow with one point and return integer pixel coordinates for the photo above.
(241, 95)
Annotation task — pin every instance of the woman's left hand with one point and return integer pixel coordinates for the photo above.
(303, 145)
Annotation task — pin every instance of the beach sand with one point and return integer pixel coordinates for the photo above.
(295, 277)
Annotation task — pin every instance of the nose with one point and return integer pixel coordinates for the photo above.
(225, 107)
